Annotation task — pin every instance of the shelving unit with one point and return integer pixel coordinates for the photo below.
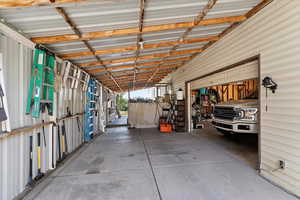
(180, 116)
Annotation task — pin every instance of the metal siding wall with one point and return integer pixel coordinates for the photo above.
(14, 155)
(274, 34)
(14, 150)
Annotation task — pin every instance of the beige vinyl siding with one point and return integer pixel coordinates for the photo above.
(239, 73)
(274, 33)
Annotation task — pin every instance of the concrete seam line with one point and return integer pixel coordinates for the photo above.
(151, 167)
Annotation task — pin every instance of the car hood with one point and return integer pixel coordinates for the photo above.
(240, 103)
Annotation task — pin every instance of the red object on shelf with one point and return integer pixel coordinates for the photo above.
(165, 128)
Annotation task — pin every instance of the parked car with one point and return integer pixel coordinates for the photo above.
(236, 117)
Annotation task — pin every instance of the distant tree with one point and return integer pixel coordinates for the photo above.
(122, 103)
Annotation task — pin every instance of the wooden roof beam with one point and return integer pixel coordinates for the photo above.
(152, 56)
(126, 81)
(258, 7)
(135, 89)
(134, 31)
(138, 65)
(23, 3)
(129, 84)
(134, 47)
(141, 74)
(142, 70)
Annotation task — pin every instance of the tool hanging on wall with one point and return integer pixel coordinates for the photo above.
(30, 159)
(5, 121)
(53, 148)
(78, 123)
(63, 144)
(59, 143)
(44, 135)
(90, 110)
(39, 158)
(41, 89)
(64, 141)
(3, 116)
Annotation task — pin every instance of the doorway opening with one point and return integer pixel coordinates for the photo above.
(225, 107)
(121, 110)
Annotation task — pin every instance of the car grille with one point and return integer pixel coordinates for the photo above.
(224, 113)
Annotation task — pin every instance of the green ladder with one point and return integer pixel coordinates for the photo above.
(41, 89)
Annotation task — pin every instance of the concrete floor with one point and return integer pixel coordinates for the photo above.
(142, 164)
(119, 121)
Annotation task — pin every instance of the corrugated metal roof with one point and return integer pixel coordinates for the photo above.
(113, 15)
(166, 12)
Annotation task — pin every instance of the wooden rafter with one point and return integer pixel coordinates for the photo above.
(134, 47)
(129, 75)
(143, 73)
(197, 20)
(152, 56)
(126, 88)
(134, 31)
(139, 38)
(139, 85)
(27, 3)
(258, 7)
(62, 12)
(126, 81)
(139, 65)
(129, 83)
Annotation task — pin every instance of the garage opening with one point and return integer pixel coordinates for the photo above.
(225, 107)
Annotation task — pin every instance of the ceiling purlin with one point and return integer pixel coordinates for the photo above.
(145, 57)
(134, 47)
(134, 31)
(129, 67)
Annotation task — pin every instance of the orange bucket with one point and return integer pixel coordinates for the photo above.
(165, 128)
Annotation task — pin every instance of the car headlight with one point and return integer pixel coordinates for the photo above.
(250, 113)
(246, 114)
(240, 114)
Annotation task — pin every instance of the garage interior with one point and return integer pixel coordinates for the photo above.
(222, 121)
(214, 95)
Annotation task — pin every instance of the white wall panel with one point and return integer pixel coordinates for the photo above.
(274, 34)
(143, 115)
